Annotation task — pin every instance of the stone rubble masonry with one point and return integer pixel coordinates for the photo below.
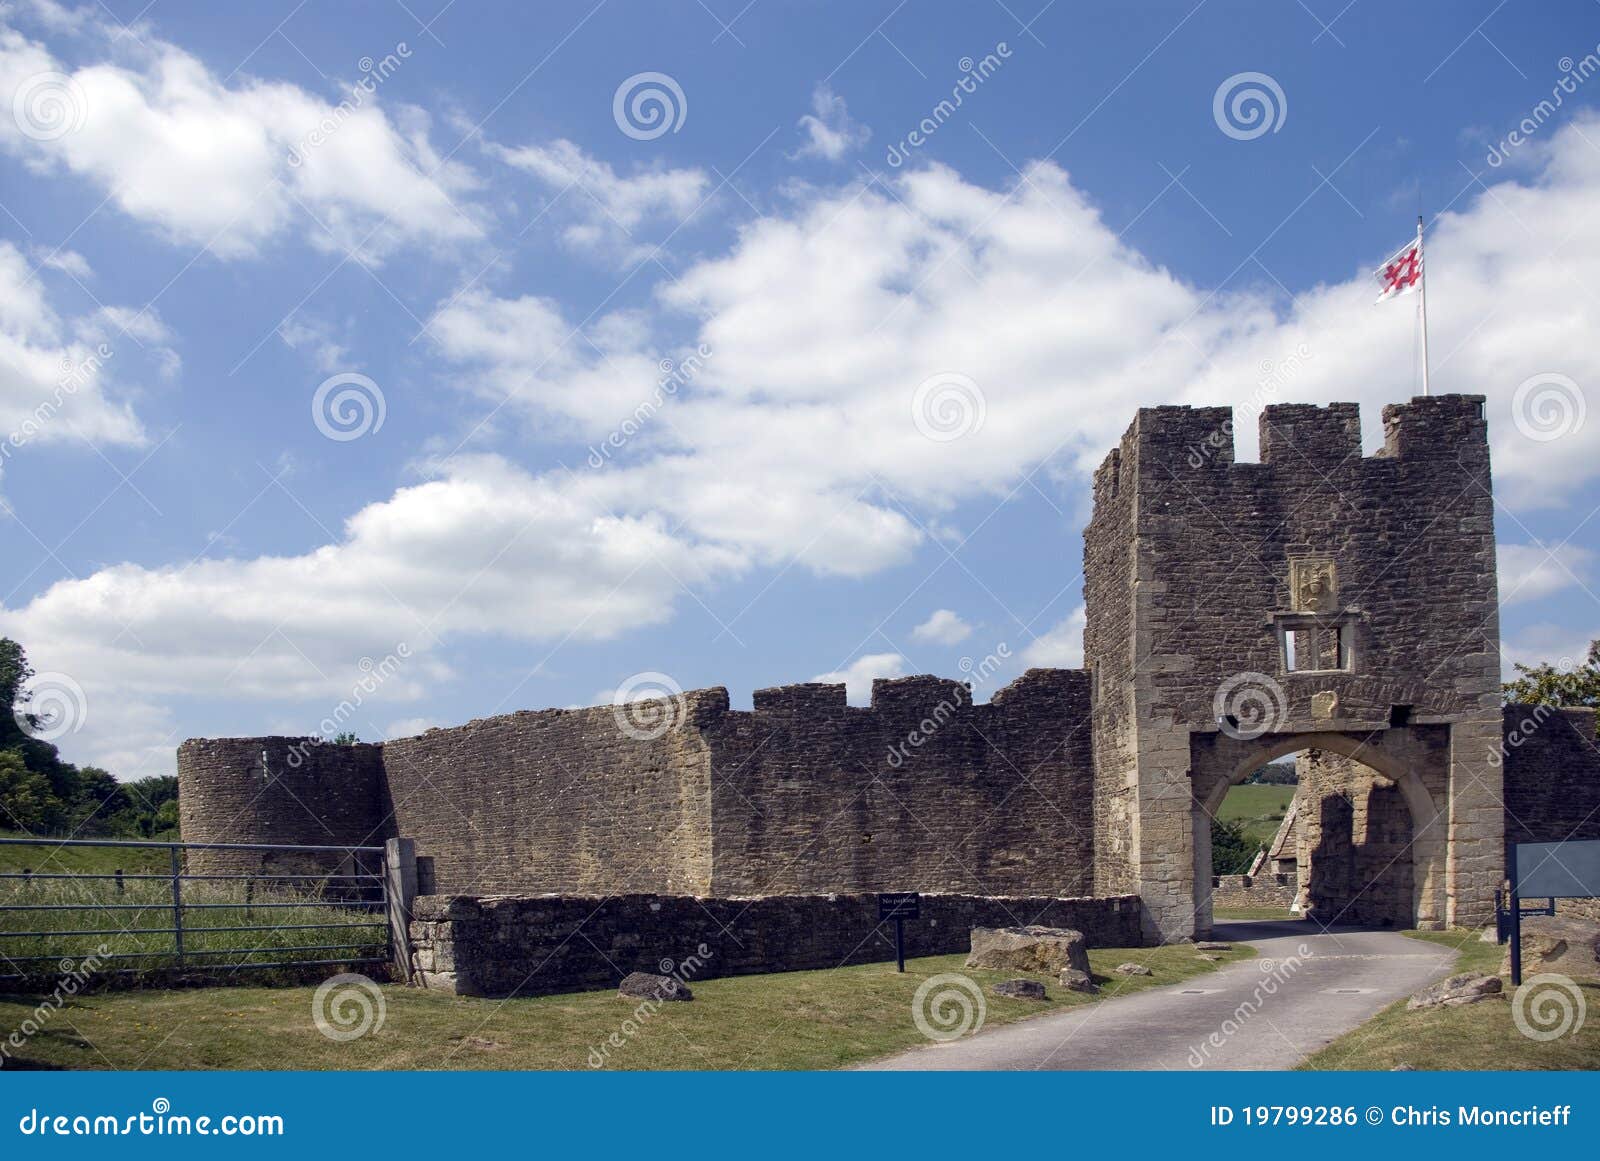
(1253, 891)
(1066, 783)
(541, 945)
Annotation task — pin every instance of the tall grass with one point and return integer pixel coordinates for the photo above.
(94, 917)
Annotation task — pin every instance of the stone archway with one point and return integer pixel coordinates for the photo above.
(1414, 759)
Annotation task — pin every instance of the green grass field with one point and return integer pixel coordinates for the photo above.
(86, 916)
(817, 1019)
(1474, 1036)
(1260, 810)
(76, 860)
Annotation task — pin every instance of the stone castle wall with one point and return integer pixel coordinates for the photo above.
(522, 945)
(922, 791)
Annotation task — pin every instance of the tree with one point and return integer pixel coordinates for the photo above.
(1558, 685)
(1232, 852)
(26, 802)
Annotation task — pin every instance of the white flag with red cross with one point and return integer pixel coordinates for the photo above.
(1402, 273)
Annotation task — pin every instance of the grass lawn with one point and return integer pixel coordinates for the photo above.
(1260, 809)
(58, 859)
(810, 1020)
(1474, 1036)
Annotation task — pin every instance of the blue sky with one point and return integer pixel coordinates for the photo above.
(211, 211)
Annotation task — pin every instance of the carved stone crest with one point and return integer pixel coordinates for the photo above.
(1324, 705)
(1314, 585)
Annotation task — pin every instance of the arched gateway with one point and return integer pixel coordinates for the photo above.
(1318, 600)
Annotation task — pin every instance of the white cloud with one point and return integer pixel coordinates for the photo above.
(1531, 572)
(208, 164)
(484, 548)
(1060, 646)
(609, 209)
(944, 627)
(316, 339)
(858, 676)
(67, 261)
(1545, 643)
(830, 131)
(408, 728)
(55, 373)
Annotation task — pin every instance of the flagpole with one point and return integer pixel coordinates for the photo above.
(1422, 305)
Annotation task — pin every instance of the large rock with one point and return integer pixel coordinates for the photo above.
(1078, 981)
(1020, 990)
(1455, 991)
(1028, 949)
(1566, 944)
(644, 986)
(1133, 969)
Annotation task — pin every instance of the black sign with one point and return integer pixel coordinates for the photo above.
(899, 905)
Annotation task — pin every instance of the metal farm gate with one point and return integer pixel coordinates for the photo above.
(149, 915)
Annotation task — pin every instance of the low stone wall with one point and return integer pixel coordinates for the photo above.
(1253, 891)
(543, 944)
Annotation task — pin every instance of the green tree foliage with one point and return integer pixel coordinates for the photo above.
(1558, 685)
(41, 794)
(1231, 851)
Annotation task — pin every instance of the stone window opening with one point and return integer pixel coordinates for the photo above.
(1308, 643)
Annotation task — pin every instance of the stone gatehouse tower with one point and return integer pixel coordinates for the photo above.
(1318, 599)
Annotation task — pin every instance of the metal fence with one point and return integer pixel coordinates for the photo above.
(159, 916)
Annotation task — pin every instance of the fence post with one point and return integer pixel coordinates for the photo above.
(120, 887)
(177, 903)
(399, 890)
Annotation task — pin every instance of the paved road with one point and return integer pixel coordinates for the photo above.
(1318, 988)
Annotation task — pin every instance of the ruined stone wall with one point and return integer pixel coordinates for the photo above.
(1110, 655)
(1552, 774)
(922, 791)
(530, 945)
(290, 791)
(561, 800)
(1276, 891)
